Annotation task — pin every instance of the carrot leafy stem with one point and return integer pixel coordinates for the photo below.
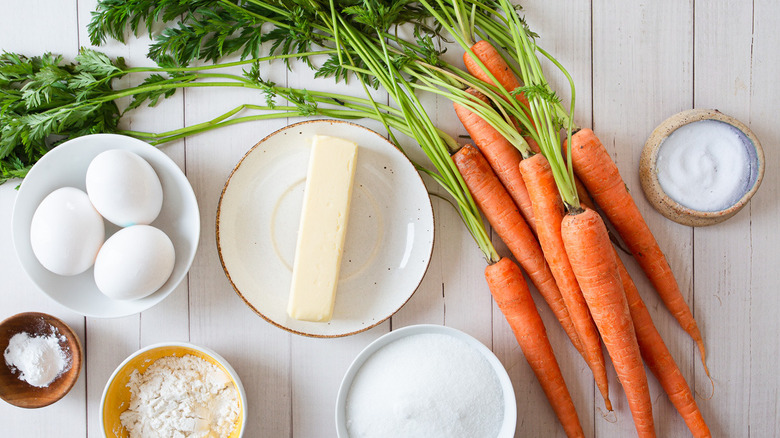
(367, 40)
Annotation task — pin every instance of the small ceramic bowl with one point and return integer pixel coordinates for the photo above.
(116, 395)
(66, 166)
(509, 422)
(669, 207)
(20, 393)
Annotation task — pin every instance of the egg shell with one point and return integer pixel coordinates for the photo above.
(134, 262)
(66, 232)
(124, 188)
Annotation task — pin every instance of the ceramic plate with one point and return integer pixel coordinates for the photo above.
(389, 236)
(66, 165)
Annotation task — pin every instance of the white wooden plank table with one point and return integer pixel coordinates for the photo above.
(634, 63)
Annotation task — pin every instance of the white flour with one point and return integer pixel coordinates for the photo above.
(39, 360)
(181, 397)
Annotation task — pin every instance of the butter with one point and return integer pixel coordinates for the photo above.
(322, 228)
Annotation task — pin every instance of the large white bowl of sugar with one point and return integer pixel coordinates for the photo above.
(426, 380)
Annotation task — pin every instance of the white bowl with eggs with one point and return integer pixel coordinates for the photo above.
(63, 171)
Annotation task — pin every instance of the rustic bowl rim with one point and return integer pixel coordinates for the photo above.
(667, 206)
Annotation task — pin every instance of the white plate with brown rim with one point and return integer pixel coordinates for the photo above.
(389, 234)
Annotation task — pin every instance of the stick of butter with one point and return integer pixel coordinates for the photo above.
(322, 228)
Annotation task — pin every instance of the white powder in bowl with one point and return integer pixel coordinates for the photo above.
(706, 165)
(427, 386)
(185, 397)
(37, 359)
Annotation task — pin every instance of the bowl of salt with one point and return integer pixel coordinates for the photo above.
(701, 167)
(426, 380)
(42, 359)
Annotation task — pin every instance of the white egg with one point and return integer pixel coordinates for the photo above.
(124, 188)
(134, 262)
(66, 232)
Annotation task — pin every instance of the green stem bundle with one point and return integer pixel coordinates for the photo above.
(359, 38)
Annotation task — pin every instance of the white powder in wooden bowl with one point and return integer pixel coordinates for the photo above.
(426, 386)
(181, 397)
(38, 360)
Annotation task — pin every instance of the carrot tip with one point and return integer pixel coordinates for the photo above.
(700, 343)
(712, 394)
(609, 416)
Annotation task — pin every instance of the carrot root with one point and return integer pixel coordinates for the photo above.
(601, 177)
(549, 210)
(512, 296)
(495, 64)
(501, 154)
(497, 206)
(593, 262)
(659, 360)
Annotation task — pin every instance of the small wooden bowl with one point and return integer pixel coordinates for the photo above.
(20, 393)
(668, 206)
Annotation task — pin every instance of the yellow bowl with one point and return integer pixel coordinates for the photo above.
(116, 395)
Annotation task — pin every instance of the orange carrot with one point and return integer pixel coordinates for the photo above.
(660, 360)
(600, 175)
(497, 206)
(582, 194)
(533, 144)
(511, 294)
(497, 66)
(499, 152)
(593, 262)
(549, 210)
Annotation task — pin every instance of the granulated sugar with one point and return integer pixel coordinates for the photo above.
(181, 397)
(427, 386)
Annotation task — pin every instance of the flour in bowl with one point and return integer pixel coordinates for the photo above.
(185, 397)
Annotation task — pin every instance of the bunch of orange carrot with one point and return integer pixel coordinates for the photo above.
(562, 243)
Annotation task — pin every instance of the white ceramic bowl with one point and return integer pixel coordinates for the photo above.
(116, 395)
(66, 165)
(510, 404)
